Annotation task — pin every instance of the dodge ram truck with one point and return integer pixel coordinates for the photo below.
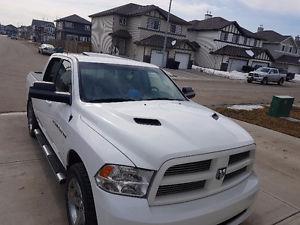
(264, 75)
(132, 149)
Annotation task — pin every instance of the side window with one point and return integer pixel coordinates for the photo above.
(63, 81)
(51, 70)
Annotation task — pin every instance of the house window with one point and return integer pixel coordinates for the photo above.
(175, 29)
(235, 38)
(224, 36)
(283, 48)
(153, 24)
(291, 49)
(83, 39)
(72, 37)
(255, 43)
(60, 25)
(245, 40)
(123, 21)
(87, 27)
(69, 25)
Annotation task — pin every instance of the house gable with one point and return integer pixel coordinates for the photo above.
(231, 29)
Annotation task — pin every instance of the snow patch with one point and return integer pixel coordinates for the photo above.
(233, 75)
(245, 107)
(297, 77)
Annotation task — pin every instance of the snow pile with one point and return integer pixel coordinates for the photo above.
(245, 107)
(234, 75)
(297, 77)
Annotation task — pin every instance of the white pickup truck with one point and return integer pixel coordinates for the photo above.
(133, 149)
(264, 75)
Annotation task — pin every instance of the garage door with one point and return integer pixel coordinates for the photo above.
(236, 64)
(294, 69)
(259, 64)
(156, 58)
(183, 59)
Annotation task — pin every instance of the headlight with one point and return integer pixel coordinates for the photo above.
(124, 180)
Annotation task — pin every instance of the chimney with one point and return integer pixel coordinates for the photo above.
(260, 28)
(297, 38)
(208, 15)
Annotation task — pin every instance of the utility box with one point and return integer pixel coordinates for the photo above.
(281, 106)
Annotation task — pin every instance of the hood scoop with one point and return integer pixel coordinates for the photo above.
(148, 122)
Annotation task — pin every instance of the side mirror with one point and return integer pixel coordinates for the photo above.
(47, 91)
(188, 92)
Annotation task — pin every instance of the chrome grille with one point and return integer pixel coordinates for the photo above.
(238, 157)
(194, 177)
(179, 188)
(234, 174)
(188, 168)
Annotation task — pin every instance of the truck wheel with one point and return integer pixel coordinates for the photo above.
(249, 80)
(31, 119)
(79, 197)
(281, 81)
(264, 81)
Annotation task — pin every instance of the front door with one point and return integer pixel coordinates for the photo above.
(61, 114)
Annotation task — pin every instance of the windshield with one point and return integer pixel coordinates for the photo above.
(117, 83)
(263, 69)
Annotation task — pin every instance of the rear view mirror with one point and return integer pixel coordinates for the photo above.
(188, 92)
(47, 91)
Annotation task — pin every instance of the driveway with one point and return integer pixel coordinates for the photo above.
(29, 194)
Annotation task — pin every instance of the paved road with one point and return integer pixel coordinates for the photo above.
(17, 58)
(215, 91)
(29, 194)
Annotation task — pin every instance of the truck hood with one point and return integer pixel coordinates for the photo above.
(259, 73)
(185, 129)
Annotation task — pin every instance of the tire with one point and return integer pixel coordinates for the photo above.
(264, 81)
(32, 123)
(280, 82)
(82, 207)
(249, 81)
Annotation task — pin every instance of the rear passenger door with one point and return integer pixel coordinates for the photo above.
(42, 108)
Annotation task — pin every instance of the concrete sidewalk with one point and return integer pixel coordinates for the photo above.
(278, 167)
(31, 196)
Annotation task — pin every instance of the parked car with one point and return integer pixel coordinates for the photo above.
(264, 75)
(14, 37)
(46, 49)
(133, 148)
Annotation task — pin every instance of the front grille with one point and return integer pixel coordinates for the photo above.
(234, 174)
(238, 157)
(190, 178)
(188, 168)
(180, 188)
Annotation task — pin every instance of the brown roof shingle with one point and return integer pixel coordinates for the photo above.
(271, 36)
(132, 9)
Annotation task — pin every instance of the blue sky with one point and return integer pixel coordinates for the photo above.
(280, 15)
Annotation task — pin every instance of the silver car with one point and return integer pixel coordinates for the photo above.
(46, 49)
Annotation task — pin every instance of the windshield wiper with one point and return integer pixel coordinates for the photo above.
(107, 100)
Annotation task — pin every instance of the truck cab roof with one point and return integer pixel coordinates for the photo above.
(91, 57)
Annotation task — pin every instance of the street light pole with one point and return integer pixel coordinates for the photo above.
(165, 36)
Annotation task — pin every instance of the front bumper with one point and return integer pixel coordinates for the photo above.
(120, 210)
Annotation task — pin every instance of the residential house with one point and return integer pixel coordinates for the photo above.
(137, 32)
(10, 30)
(42, 31)
(73, 28)
(284, 48)
(2, 31)
(225, 45)
(24, 32)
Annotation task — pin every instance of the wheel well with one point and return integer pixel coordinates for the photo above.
(73, 158)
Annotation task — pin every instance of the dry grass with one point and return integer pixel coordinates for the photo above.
(260, 117)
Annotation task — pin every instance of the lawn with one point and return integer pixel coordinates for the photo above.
(260, 117)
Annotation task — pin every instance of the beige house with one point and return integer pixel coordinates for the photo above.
(225, 45)
(137, 32)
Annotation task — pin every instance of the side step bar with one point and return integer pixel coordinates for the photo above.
(55, 164)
